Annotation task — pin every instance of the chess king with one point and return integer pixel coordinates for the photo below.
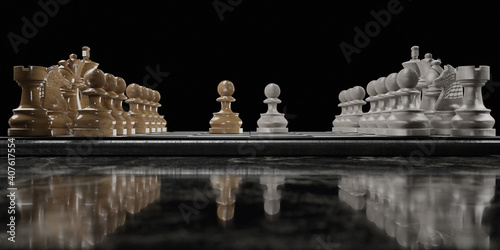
(225, 121)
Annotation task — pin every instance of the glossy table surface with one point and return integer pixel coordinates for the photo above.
(254, 202)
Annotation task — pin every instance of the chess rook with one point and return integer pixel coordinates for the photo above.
(121, 85)
(30, 118)
(109, 100)
(473, 118)
(95, 119)
(272, 121)
(134, 93)
(225, 121)
(407, 120)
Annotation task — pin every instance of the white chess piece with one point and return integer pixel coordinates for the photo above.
(473, 118)
(354, 111)
(338, 123)
(381, 106)
(408, 120)
(272, 121)
(371, 121)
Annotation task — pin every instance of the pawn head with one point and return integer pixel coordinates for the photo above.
(272, 90)
(342, 96)
(407, 78)
(121, 85)
(390, 82)
(94, 78)
(225, 88)
(134, 90)
(380, 86)
(110, 84)
(357, 93)
(370, 88)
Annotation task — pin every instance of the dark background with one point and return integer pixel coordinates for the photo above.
(292, 43)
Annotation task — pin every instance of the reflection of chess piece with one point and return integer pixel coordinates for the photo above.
(55, 103)
(272, 195)
(473, 118)
(225, 187)
(225, 121)
(134, 92)
(30, 118)
(94, 120)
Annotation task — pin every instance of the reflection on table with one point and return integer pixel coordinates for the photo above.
(79, 211)
(432, 211)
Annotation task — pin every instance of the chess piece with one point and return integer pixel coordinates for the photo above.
(142, 107)
(225, 121)
(149, 109)
(413, 64)
(381, 105)
(134, 93)
(94, 120)
(373, 113)
(338, 122)
(272, 121)
(431, 93)
(407, 120)
(71, 93)
(54, 102)
(30, 118)
(225, 187)
(354, 111)
(272, 195)
(109, 100)
(121, 85)
(423, 66)
(162, 122)
(450, 99)
(473, 118)
(87, 65)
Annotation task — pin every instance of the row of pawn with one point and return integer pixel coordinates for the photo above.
(395, 108)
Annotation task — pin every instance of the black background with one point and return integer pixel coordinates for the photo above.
(292, 43)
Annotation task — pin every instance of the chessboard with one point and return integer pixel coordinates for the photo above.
(253, 144)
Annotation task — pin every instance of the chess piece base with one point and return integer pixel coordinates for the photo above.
(440, 131)
(142, 131)
(163, 129)
(370, 131)
(408, 132)
(361, 130)
(225, 130)
(121, 131)
(60, 131)
(93, 132)
(272, 130)
(131, 131)
(19, 132)
(380, 131)
(349, 130)
(336, 129)
(473, 132)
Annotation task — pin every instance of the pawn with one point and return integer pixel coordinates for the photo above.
(134, 93)
(143, 107)
(339, 121)
(94, 120)
(383, 102)
(162, 122)
(121, 85)
(30, 118)
(149, 109)
(373, 113)
(272, 121)
(355, 102)
(109, 87)
(408, 120)
(225, 121)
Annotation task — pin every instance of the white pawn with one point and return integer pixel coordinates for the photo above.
(408, 120)
(272, 121)
(355, 97)
(371, 120)
(381, 106)
(338, 122)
